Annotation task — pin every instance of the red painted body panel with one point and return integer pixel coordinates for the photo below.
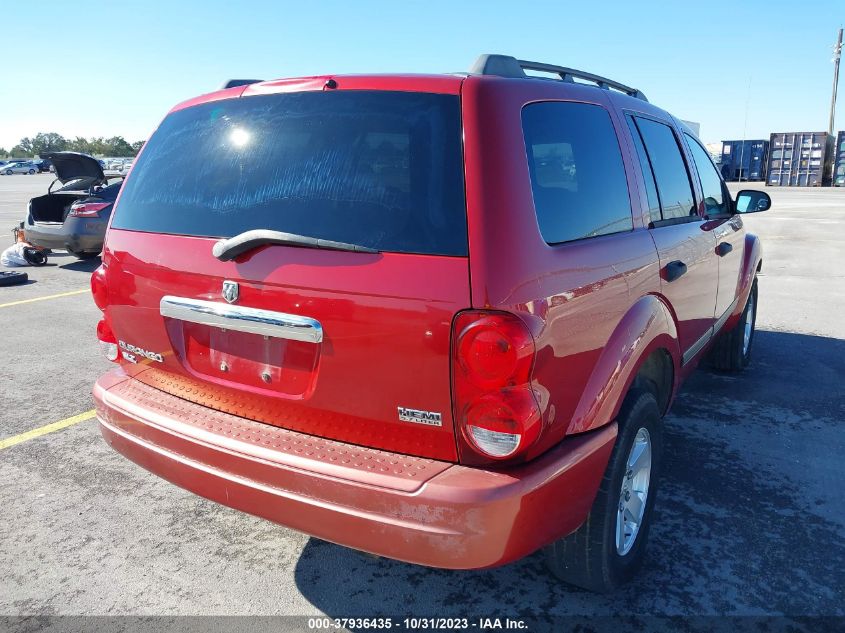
(440, 84)
(693, 296)
(217, 95)
(412, 509)
(386, 320)
(730, 231)
(573, 296)
(597, 309)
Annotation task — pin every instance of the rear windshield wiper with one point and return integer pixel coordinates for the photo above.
(228, 249)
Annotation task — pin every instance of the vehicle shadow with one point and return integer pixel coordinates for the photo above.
(748, 519)
(82, 265)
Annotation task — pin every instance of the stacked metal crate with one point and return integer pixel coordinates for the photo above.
(744, 160)
(839, 165)
(800, 159)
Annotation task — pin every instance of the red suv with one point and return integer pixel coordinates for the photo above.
(436, 318)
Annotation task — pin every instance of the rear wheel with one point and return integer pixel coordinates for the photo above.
(732, 350)
(608, 549)
(8, 172)
(31, 172)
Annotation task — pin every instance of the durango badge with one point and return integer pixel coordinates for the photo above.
(130, 352)
(430, 418)
(230, 290)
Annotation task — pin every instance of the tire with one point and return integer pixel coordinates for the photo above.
(732, 351)
(590, 557)
(83, 255)
(12, 277)
(31, 172)
(8, 172)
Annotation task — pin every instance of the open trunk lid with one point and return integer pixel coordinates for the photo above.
(353, 346)
(76, 171)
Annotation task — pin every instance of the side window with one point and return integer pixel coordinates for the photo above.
(577, 175)
(670, 172)
(715, 201)
(648, 174)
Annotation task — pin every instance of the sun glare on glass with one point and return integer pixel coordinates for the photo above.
(239, 137)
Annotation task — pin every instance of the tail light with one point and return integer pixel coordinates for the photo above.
(495, 407)
(108, 343)
(87, 209)
(99, 289)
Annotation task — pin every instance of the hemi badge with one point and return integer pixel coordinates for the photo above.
(429, 418)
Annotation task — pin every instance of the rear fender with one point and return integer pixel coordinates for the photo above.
(646, 327)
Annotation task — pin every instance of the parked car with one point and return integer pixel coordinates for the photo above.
(125, 166)
(43, 165)
(436, 318)
(27, 167)
(74, 216)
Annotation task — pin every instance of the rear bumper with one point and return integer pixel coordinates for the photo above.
(76, 234)
(412, 509)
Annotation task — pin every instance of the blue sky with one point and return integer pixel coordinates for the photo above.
(114, 68)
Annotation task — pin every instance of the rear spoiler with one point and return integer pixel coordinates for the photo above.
(231, 83)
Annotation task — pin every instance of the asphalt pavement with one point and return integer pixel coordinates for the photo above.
(748, 520)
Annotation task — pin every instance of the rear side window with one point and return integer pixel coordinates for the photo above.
(670, 172)
(375, 168)
(577, 175)
(648, 174)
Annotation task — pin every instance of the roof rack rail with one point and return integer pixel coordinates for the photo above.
(231, 83)
(507, 66)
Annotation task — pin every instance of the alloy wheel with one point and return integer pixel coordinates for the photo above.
(634, 492)
(748, 326)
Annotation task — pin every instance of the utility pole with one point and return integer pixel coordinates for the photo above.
(837, 54)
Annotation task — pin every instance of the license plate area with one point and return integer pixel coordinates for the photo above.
(262, 363)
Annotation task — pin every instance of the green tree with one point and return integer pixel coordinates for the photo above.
(21, 151)
(44, 142)
(79, 144)
(97, 146)
(48, 142)
(117, 146)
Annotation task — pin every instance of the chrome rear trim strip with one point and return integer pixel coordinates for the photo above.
(242, 319)
(710, 333)
(723, 319)
(697, 346)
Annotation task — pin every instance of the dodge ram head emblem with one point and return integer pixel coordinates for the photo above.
(230, 291)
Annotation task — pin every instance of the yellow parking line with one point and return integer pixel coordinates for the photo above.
(47, 428)
(61, 294)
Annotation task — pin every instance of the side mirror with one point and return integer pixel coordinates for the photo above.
(752, 201)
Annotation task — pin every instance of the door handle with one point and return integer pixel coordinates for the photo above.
(674, 270)
(723, 249)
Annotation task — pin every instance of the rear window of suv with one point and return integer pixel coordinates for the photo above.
(375, 168)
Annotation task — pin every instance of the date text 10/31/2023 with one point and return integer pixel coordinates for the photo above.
(416, 624)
